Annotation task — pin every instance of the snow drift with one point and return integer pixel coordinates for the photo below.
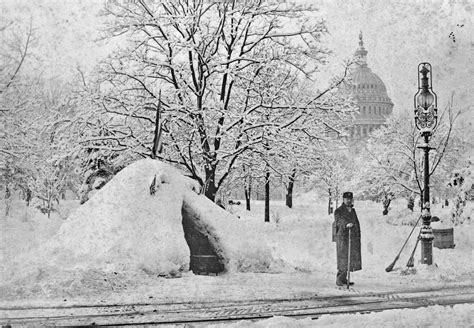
(126, 227)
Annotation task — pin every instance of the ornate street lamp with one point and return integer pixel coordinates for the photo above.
(426, 119)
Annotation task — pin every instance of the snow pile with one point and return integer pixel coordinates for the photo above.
(125, 227)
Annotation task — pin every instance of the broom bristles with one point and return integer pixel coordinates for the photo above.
(411, 260)
(390, 267)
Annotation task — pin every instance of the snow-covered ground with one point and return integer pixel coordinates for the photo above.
(295, 247)
(433, 316)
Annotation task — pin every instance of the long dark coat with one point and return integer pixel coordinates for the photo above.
(342, 217)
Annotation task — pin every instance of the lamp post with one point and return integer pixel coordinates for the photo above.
(426, 119)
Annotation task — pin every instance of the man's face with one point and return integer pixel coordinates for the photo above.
(348, 201)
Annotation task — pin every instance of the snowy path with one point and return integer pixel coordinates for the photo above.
(214, 312)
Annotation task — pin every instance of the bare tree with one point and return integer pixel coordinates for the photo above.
(203, 55)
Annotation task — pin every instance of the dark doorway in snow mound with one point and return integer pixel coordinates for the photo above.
(204, 259)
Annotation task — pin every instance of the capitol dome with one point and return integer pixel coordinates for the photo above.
(366, 79)
(370, 94)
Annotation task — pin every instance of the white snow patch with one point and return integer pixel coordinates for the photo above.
(434, 316)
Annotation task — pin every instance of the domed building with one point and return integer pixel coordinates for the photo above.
(370, 93)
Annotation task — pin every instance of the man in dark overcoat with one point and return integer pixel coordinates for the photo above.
(345, 218)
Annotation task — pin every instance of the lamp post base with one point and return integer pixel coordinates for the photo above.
(427, 252)
(426, 238)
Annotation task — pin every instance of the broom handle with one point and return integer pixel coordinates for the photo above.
(411, 259)
(390, 267)
(406, 241)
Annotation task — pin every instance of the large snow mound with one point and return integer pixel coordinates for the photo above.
(124, 227)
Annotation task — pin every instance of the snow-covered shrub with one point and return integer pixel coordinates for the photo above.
(43, 206)
(461, 211)
(462, 185)
(276, 217)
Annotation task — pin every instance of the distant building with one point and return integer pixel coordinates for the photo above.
(370, 93)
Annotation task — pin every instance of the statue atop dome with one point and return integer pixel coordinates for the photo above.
(361, 54)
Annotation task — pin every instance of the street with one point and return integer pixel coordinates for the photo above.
(222, 312)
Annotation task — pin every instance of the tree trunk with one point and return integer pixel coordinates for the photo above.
(28, 197)
(8, 201)
(157, 143)
(386, 203)
(248, 190)
(211, 190)
(50, 200)
(329, 201)
(267, 196)
(289, 190)
(411, 203)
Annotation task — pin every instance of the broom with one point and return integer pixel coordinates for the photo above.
(411, 260)
(390, 267)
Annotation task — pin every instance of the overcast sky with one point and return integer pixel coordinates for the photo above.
(397, 34)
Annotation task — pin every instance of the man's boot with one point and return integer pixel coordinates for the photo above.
(341, 279)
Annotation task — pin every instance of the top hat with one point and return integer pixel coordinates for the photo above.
(347, 194)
